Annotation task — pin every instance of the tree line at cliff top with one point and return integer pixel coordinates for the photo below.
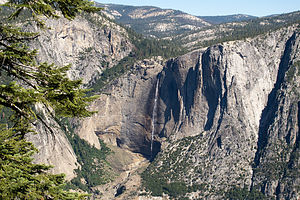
(146, 47)
(246, 29)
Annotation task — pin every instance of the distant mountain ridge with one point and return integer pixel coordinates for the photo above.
(219, 33)
(154, 21)
(172, 24)
(227, 18)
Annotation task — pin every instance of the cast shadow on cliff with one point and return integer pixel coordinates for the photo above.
(212, 86)
(171, 87)
(269, 113)
(190, 87)
(168, 92)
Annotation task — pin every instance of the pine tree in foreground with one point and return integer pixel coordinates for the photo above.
(23, 84)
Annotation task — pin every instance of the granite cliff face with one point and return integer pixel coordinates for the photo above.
(125, 110)
(227, 115)
(54, 147)
(91, 44)
(277, 164)
(231, 113)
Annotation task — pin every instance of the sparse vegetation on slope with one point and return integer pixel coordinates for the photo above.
(94, 169)
(144, 48)
(155, 22)
(165, 175)
(209, 36)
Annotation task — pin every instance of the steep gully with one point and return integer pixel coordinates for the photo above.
(268, 118)
(279, 98)
(268, 114)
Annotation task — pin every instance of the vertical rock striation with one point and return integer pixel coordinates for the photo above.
(53, 146)
(277, 166)
(228, 115)
(231, 110)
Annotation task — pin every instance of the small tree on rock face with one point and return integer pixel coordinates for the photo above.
(30, 83)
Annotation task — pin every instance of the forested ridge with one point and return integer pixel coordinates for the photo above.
(238, 30)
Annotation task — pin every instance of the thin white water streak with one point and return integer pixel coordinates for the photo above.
(154, 113)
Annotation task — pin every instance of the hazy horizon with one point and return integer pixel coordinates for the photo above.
(218, 7)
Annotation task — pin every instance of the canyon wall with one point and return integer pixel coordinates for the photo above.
(226, 115)
(224, 109)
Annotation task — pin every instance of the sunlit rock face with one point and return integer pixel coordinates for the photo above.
(232, 104)
(235, 105)
(125, 110)
(90, 44)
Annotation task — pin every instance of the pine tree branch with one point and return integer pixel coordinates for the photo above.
(21, 76)
(13, 39)
(13, 106)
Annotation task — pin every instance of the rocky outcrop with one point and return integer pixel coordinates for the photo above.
(125, 110)
(90, 43)
(153, 21)
(231, 115)
(224, 114)
(277, 160)
(227, 31)
(53, 146)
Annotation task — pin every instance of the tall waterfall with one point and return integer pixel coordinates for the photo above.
(154, 114)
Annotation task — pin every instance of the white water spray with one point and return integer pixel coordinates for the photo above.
(154, 113)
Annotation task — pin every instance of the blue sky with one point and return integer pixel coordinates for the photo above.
(219, 7)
